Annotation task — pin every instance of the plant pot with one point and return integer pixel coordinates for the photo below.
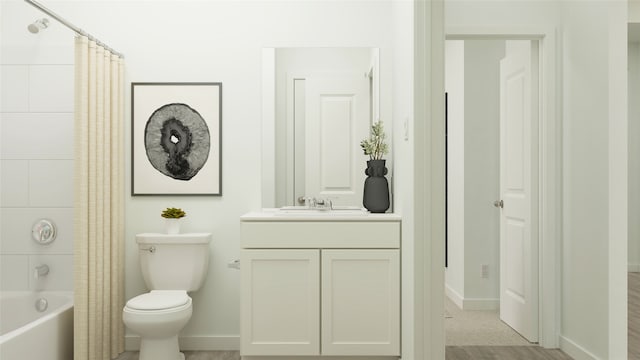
(376, 187)
(172, 226)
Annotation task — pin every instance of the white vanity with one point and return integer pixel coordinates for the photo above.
(320, 285)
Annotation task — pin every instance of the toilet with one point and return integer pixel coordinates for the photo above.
(172, 265)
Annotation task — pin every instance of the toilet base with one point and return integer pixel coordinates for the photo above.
(160, 349)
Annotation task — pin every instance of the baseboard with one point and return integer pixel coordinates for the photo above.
(202, 343)
(471, 303)
(480, 304)
(633, 268)
(319, 357)
(453, 295)
(574, 350)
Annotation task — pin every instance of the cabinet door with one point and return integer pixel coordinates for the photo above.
(360, 302)
(280, 306)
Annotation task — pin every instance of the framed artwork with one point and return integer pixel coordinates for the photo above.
(176, 139)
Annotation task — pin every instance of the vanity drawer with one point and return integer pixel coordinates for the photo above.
(320, 235)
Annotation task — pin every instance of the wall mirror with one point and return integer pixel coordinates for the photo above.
(318, 104)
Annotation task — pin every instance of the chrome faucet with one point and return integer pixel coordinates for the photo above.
(307, 201)
(323, 204)
(40, 271)
(315, 203)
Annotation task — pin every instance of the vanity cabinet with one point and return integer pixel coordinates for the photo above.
(280, 302)
(360, 302)
(323, 297)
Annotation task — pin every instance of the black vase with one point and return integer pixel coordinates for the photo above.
(376, 187)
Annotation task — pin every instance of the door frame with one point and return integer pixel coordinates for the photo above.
(428, 150)
(549, 165)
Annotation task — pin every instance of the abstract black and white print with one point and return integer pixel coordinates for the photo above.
(177, 141)
(176, 138)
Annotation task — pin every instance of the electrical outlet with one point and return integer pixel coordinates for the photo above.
(485, 271)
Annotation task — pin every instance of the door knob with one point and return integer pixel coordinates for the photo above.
(498, 204)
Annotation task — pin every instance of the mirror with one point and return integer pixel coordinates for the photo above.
(318, 104)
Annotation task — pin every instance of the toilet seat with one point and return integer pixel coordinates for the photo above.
(158, 317)
(157, 300)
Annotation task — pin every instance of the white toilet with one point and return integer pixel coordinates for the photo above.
(172, 265)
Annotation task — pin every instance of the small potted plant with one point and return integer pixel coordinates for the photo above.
(376, 186)
(172, 219)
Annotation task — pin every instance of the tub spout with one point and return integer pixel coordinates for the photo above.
(40, 271)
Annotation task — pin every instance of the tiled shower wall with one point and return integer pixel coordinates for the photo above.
(36, 173)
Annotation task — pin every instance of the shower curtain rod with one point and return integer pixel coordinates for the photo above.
(76, 29)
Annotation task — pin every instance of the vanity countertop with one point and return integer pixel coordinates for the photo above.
(278, 215)
(319, 229)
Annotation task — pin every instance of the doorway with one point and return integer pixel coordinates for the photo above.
(485, 155)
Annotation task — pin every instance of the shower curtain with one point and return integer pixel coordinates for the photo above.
(98, 203)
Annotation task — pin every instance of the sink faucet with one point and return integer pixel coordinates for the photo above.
(315, 203)
(312, 202)
(324, 204)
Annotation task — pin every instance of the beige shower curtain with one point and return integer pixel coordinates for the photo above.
(99, 205)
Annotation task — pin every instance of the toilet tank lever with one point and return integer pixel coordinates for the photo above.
(150, 249)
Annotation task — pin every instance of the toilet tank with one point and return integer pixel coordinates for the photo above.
(174, 262)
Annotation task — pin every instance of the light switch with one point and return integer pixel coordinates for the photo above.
(406, 128)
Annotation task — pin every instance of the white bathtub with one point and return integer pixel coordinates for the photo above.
(27, 334)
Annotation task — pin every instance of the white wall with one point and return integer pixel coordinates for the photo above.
(178, 41)
(455, 88)
(403, 159)
(588, 276)
(482, 170)
(634, 157)
(36, 154)
(634, 11)
(473, 84)
(594, 291)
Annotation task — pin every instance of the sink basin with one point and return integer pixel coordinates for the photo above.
(306, 211)
(334, 208)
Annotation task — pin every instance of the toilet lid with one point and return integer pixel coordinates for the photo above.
(158, 300)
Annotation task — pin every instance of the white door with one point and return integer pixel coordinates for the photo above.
(361, 302)
(280, 304)
(337, 118)
(518, 189)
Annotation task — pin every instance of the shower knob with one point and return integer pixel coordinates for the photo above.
(43, 231)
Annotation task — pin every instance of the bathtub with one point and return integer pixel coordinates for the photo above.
(29, 334)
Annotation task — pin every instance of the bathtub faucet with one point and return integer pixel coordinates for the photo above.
(41, 270)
